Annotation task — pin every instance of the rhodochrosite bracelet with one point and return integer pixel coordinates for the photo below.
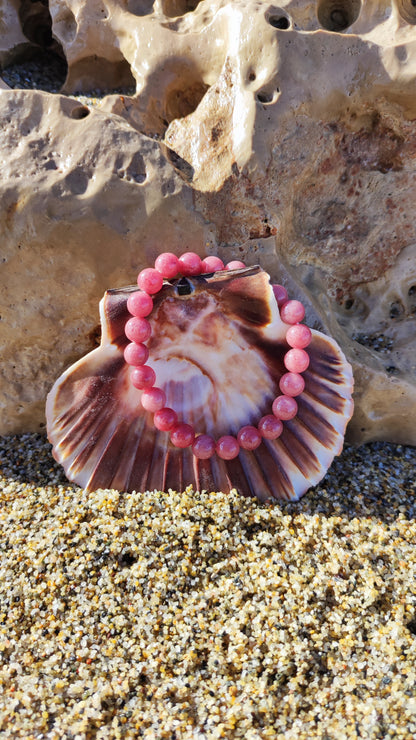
(138, 330)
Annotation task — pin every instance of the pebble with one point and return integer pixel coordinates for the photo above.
(198, 615)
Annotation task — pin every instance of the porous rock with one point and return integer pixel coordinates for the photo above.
(282, 135)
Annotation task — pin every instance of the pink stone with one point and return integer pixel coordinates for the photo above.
(291, 384)
(190, 264)
(143, 377)
(165, 419)
(153, 399)
(150, 280)
(182, 435)
(234, 265)
(280, 293)
(227, 447)
(167, 264)
(296, 360)
(298, 336)
(292, 312)
(203, 447)
(137, 329)
(285, 407)
(270, 427)
(249, 438)
(136, 354)
(139, 303)
(212, 264)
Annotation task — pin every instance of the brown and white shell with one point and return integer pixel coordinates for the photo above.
(217, 348)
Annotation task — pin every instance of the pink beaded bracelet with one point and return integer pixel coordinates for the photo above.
(138, 330)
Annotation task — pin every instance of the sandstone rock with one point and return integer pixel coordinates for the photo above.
(285, 136)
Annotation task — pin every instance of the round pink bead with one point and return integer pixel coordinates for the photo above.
(136, 354)
(291, 384)
(137, 329)
(153, 399)
(190, 264)
(182, 435)
(227, 447)
(298, 336)
(203, 447)
(139, 303)
(235, 265)
(270, 427)
(167, 264)
(150, 280)
(212, 264)
(249, 438)
(165, 419)
(143, 377)
(296, 360)
(285, 407)
(280, 293)
(292, 311)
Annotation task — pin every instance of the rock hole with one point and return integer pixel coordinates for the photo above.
(337, 15)
(412, 289)
(411, 626)
(396, 310)
(176, 8)
(266, 98)
(181, 102)
(281, 22)
(127, 559)
(407, 10)
(182, 167)
(140, 7)
(80, 111)
(348, 304)
(252, 76)
(98, 76)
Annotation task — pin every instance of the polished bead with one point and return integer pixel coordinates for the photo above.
(212, 264)
(167, 264)
(165, 419)
(296, 360)
(143, 377)
(234, 265)
(291, 384)
(298, 336)
(139, 303)
(203, 447)
(291, 312)
(137, 329)
(136, 354)
(280, 293)
(182, 435)
(270, 427)
(153, 399)
(285, 407)
(150, 280)
(190, 264)
(227, 447)
(249, 438)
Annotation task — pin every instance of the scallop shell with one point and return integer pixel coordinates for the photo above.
(217, 348)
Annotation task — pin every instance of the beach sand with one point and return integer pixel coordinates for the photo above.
(203, 615)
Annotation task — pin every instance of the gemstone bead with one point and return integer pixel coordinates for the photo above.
(270, 427)
(212, 264)
(285, 407)
(190, 264)
(234, 265)
(296, 360)
(203, 447)
(138, 330)
(291, 312)
(298, 336)
(227, 447)
(150, 280)
(136, 354)
(165, 419)
(291, 384)
(167, 264)
(280, 293)
(249, 438)
(182, 435)
(143, 377)
(139, 303)
(153, 399)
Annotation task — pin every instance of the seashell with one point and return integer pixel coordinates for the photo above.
(217, 348)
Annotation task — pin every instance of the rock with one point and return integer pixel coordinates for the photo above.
(282, 136)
